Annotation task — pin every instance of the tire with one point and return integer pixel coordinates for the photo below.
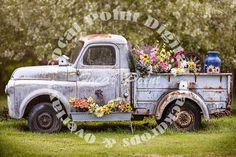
(43, 119)
(187, 119)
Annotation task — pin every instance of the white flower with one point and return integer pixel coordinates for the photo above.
(173, 71)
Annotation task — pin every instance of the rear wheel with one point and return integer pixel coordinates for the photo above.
(43, 119)
(187, 119)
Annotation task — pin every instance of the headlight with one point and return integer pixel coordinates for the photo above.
(6, 90)
(9, 89)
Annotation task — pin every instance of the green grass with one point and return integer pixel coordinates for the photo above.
(218, 138)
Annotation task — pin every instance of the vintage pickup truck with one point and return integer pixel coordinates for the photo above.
(102, 62)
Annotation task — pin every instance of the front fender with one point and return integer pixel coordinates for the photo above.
(39, 92)
(179, 94)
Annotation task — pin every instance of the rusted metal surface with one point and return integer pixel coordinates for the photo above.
(184, 119)
(229, 94)
(220, 114)
(41, 73)
(211, 92)
(179, 94)
(192, 85)
(150, 95)
(93, 36)
(103, 38)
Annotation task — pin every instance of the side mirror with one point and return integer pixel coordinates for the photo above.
(63, 60)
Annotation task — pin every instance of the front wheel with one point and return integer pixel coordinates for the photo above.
(187, 119)
(43, 119)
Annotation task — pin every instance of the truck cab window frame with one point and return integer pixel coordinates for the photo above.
(100, 56)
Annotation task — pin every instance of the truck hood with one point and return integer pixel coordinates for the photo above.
(50, 72)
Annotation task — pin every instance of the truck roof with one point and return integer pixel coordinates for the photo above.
(111, 38)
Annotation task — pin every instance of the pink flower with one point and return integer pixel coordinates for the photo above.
(164, 66)
(153, 56)
(153, 50)
(141, 56)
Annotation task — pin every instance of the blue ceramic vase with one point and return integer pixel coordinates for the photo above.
(212, 62)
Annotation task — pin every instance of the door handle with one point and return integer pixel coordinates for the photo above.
(77, 72)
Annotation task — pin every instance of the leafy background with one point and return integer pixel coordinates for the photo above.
(30, 29)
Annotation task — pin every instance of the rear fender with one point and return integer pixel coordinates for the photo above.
(180, 94)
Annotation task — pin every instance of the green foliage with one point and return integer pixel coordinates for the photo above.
(218, 138)
(30, 29)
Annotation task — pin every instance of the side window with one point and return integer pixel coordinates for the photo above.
(100, 55)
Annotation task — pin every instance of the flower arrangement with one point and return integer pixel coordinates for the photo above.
(116, 105)
(152, 59)
(149, 60)
(80, 104)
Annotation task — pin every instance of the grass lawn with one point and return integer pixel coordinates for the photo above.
(218, 138)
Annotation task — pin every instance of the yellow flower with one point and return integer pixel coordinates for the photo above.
(128, 108)
(145, 56)
(146, 59)
(90, 100)
(192, 66)
(163, 56)
(168, 54)
(99, 112)
(179, 71)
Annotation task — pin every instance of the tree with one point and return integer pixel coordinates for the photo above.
(30, 29)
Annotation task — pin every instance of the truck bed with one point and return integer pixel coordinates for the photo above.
(215, 89)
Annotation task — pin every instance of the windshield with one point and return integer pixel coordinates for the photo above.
(76, 51)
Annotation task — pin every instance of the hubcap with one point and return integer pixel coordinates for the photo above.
(45, 120)
(184, 119)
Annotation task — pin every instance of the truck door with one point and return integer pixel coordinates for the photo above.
(98, 69)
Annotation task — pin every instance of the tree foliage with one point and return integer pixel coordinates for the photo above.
(30, 29)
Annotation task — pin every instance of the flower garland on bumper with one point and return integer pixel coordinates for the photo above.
(88, 105)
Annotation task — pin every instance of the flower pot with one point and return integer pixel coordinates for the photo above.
(115, 116)
(212, 62)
